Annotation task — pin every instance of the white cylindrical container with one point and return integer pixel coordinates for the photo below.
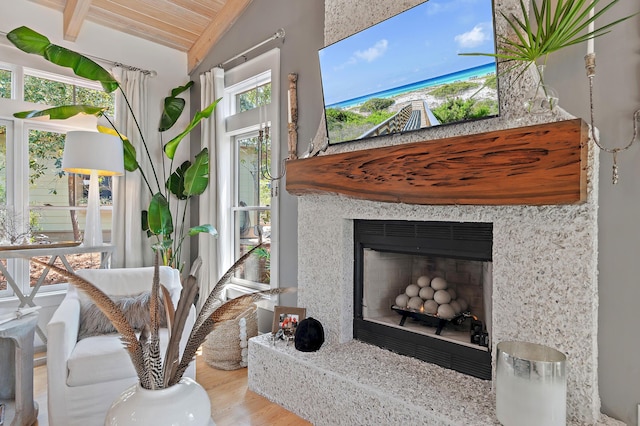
(531, 385)
(184, 404)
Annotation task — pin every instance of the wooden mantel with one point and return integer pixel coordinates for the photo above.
(535, 165)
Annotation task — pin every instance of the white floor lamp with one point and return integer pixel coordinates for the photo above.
(95, 154)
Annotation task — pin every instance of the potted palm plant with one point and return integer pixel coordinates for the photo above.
(548, 29)
(184, 182)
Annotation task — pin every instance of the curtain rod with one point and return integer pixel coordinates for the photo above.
(278, 34)
(150, 73)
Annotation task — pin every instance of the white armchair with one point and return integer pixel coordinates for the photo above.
(85, 377)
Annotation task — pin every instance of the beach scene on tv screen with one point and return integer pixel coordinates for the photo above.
(406, 73)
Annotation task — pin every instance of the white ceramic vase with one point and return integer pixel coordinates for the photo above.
(185, 403)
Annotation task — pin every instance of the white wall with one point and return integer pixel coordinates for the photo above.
(617, 84)
(95, 40)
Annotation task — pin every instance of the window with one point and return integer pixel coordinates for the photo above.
(3, 189)
(54, 195)
(250, 99)
(5, 83)
(48, 89)
(252, 207)
(250, 106)
(37, 198)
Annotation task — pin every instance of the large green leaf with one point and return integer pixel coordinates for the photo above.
(171, 146)
(209, 229)
(159, 216)
(29, 41)
(196, 178)
(172, 110)
(62, 112)
(144, 220)
(33, 42)
(173, 107)
(180, 89)
(130, 162)
(175, 183)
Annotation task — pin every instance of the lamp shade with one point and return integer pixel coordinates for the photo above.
(86, 151)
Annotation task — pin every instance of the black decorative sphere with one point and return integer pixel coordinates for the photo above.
(309, 335)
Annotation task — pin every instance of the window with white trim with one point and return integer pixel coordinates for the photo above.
(250, 105)
(38, 200)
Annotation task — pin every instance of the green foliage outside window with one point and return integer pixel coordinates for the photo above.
(44, 147)
(250, 99)
(250, 161)
(5, 84)
(56, 93)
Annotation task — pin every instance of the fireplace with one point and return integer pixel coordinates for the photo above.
(544, 276)
(544, 257)
(423, 289)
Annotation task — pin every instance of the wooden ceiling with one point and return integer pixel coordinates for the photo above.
(191, 26)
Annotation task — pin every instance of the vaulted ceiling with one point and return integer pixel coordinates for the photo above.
(191, 26)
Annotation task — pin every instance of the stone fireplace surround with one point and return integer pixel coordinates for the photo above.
(545, 289)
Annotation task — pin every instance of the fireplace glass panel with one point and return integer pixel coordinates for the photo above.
(395, 260)
(391, 279)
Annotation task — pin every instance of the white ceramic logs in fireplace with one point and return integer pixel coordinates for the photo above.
(531, 385)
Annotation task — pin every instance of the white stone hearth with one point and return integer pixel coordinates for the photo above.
(359, 384)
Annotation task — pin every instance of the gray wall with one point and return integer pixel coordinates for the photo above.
(617, 84)
(617, 97)
(303, 22)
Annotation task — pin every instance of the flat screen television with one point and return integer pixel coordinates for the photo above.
(406, 73)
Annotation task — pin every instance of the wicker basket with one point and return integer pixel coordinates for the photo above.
(226, 346)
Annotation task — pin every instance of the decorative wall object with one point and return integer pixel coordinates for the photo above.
(292, 111)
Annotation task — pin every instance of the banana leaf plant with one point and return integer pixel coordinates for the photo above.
(188, 180)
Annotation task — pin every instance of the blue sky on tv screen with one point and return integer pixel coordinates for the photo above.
(416, 45)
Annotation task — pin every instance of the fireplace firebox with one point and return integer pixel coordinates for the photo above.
(423, 289)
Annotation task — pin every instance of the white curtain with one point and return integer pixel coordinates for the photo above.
(130, 196)
(212, 87)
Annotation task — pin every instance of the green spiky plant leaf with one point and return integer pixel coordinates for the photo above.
(547, 29)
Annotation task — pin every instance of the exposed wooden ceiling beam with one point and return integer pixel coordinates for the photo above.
(75, 11)
(223, 20)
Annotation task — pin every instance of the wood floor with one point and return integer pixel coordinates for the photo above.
(232, 404)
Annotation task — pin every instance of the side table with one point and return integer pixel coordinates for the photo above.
(54, 251)
(16, 370)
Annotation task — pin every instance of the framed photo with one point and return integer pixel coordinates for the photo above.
(287, 318)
